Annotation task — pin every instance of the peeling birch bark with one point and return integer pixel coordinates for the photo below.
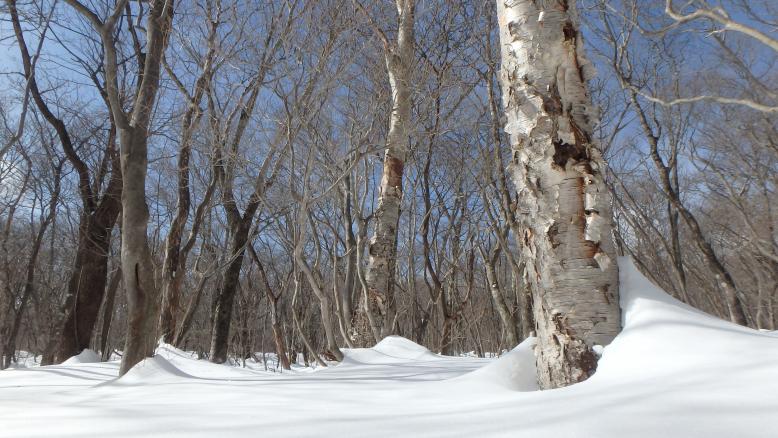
(563, 204)
(376, 313)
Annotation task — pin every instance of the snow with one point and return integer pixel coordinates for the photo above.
(25, 359)
(513, 371)
(86, 356)
(672, 372)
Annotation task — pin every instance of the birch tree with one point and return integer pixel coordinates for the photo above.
(563, 204)
(376, 313)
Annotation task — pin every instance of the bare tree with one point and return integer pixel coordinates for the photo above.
(133, 129)
(376, 308)
(177, 249)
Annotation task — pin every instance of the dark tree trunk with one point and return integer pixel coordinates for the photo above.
(225, 295)
(87, 283)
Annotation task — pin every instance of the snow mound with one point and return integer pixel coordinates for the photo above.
(392, 349)
(193, 367)
(86, 356)
(399, 347)
(152, 370)
(513, 371)
(666, 340)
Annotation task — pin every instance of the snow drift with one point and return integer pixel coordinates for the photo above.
(392, 349)
(152, 370)
(672, 372)
(513, 371)
(86, 356)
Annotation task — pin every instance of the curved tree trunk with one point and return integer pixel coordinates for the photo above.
(563, 203)
(191, 308)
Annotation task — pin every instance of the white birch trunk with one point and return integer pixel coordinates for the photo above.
(563, 203)
(376, 314)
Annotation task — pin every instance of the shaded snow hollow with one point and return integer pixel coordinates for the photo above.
(672, 372)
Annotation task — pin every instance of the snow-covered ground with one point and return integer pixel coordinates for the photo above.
(672, 372)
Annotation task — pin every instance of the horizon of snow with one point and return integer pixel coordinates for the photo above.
(673, 371)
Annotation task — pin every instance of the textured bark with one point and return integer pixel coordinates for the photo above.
(563, 204)
(376, 314)
(507, 212)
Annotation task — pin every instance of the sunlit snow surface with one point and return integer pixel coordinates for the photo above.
(672, 372)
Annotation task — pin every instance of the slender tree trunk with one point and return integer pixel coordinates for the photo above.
(507, 319)
(108, 308)
(275, 323)
(9, 347)
(563, 203)
(724, 280)
(175, 256)
(225, 295)
(382, 248)
(191, 308)
(324, 302)
(524, 300)
(346, 305)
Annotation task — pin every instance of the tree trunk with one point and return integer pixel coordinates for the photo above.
(225, 295)
(563, 203)
(507, 319)
(9, 347)
(378, 300)
(108, 308)
(87, 283)
(175, 256)
(191, 308)
(137, 266)
(723, 279)
(275, 323)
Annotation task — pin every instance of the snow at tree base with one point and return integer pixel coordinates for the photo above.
(672, 372)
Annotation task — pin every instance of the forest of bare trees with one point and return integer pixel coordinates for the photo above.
(300, 176)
